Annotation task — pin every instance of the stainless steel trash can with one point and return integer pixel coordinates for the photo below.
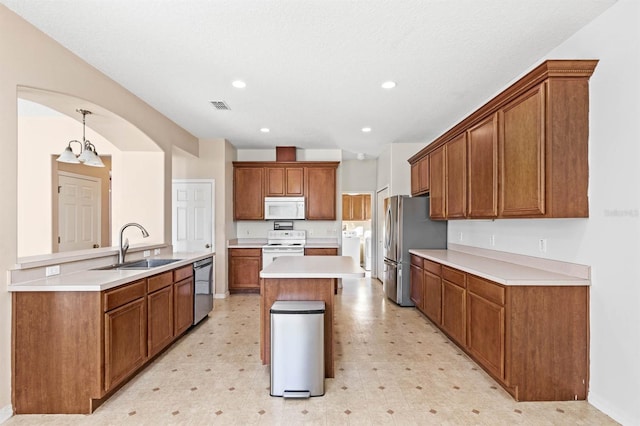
(297, 348)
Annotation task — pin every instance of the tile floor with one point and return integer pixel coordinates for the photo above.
(392, 367)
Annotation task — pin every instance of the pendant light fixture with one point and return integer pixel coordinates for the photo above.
(88, 154)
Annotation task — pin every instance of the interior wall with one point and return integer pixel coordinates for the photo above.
(359, 175)
(394, 171)
(27, 57)
(609, 240)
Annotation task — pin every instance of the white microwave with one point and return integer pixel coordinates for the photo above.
(276, 208)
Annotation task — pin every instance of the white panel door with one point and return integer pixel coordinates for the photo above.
(193, 220)
(78, 212)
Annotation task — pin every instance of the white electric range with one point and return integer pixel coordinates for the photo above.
(283, 243)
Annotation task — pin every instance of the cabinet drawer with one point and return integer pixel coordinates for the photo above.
(182, 273)
(433, 267)
(123, 294)
(321, 251)
(416, 260)
(247, 252)
(159, 281)
(454, 276)
(486, 289)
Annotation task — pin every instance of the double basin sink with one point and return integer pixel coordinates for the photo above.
(138, 264)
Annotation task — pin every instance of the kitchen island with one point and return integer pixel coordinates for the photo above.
(303, 278)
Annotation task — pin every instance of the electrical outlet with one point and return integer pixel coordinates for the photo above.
(459, 236)
(542, 245)
(52, 270)
(156, 252)
(492, 240)
(146, 253)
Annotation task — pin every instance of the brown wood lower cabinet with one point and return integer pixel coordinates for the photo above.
(72, 350)
(244, 270)
(533, 339)
(320, 251)
(125, 341)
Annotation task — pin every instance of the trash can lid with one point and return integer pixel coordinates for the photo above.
(297, 307)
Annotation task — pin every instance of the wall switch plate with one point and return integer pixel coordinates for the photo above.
(146, 253)
(542, 245)
(52, 270)
(156, 252)
(459, 236)
(492, 240)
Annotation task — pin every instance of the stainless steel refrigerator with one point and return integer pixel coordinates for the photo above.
(407, 226)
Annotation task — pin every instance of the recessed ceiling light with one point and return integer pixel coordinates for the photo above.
(265, 130)
(388, 84)
(239, 84)
(366, 129)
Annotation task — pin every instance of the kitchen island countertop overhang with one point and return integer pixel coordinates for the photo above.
(313, 267)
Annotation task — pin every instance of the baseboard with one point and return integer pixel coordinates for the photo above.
(6, 413)
(613, 412)
(221, 295)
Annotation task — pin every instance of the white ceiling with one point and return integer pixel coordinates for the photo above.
(313, 68)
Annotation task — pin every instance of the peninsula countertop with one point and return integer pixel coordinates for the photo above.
(99, 280)
(313, 267)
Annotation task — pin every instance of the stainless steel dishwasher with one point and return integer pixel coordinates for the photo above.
(203, 289)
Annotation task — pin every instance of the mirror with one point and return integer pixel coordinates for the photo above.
(130, 188)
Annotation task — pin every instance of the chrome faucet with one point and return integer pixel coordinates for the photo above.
(124, 247)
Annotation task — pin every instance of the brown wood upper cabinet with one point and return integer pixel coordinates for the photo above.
(254, 180)
(286, 182)
(482, 157)
(420, 176)
(526, 151)
(356, 207)
(248, 198)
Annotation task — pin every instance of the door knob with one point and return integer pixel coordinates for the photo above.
(207, 246)
(96, 246)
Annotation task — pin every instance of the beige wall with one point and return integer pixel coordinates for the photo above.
(27, 57)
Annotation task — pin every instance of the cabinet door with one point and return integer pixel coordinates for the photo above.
(294, 181)
(320, 193)
(244, 273)
(125, 341)
(486, 333)
(274, 185)
(248, 200)
(416, 284)
(415, 179)
(437, 184)
(159, 319)
(456, 177)
(483, 169)
(367, 206)
(453, 311)
(433, 297)
(346, 207)
(182, 306)
(522, 155)
(357, 207)
(423, 174)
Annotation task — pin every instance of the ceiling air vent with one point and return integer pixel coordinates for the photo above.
(220, 105)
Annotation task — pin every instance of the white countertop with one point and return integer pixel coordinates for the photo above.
(507, 273)
(313, 267)
(99, 280)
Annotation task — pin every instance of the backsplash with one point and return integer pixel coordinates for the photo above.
(315, 229)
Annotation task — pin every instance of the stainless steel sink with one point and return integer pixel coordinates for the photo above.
(139, 264)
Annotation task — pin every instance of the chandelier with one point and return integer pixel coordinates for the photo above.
(88, 154)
